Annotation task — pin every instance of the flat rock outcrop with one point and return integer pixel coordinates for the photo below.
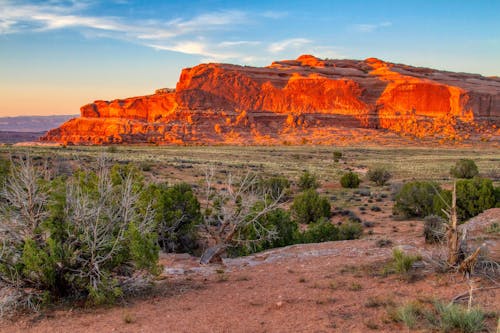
(293, 101)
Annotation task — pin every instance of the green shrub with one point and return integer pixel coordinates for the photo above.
(350, 180)
(178, 214)
(464, 168)
(308, 181)
(497, 196)
(409, 314)
(473, 197)
(493, 228)
(434, 229)
(4, 171)
(284, 229)
(309, 206)
(79, 237)
(321, 231)
(441, 203)
(379, 176)
(324, 231)
(350, 230)
(441, 317)
(275, 187)
(337, 155)
(287, 230)
(456, 317)
(401, 262)
(415, 199)
(112, 149)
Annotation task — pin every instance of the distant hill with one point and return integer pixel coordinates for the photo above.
(16, 137)
(32, 123)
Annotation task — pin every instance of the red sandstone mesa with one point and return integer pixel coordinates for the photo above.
(303, 98)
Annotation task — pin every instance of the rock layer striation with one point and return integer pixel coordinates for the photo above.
(292, 101)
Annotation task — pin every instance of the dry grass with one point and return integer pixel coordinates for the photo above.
(291, 161)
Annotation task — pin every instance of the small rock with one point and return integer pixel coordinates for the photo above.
(174, 271)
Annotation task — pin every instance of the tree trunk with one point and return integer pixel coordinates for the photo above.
(453, 234)
(212, 254)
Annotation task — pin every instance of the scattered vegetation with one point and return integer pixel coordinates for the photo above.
(178, 215)
(384, 242)
(401, 263)
(438, 316)
(284, 232)
(308, 181)
(245, 215)
(456, 317)
(409, 314)
(321, 231)
(493, 228)
(324, 231)
(434, 229)
(233, 212)
(473, 197)
(379, 175)
(350, 230)
(309, 207)
(337, 155)
(82, 237)
(415, 199)
(464, 168)
(4, 171)
(277, 186)
(350, 180)
(355, 286)
(375, 302)
(112, 149)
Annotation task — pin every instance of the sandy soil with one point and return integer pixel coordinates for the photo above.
(328, 287)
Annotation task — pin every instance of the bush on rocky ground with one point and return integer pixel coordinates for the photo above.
(308, 181)
(178, 215)
(434, 229)
(464, 168)
(350, 180)
(474, 196)
(309, 207)
(88, 237)
(415, 199)
(278, 186)
(379, 176)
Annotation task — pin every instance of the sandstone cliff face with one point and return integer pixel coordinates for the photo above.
(306, 98)
(146, 108)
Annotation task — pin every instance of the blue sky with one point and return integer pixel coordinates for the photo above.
(58, 55)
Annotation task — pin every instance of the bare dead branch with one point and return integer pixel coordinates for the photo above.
(237, 205)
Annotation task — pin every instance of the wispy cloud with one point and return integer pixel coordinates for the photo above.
(6, 26)
(288, 43)
(191, 35)
(365, 27)
(238, 43)
(195, 48)
(274, 14)
(22, 18)
(212, 20)
(17, 18)
(327, 52)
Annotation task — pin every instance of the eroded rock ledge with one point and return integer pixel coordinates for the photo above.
(294, 100)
